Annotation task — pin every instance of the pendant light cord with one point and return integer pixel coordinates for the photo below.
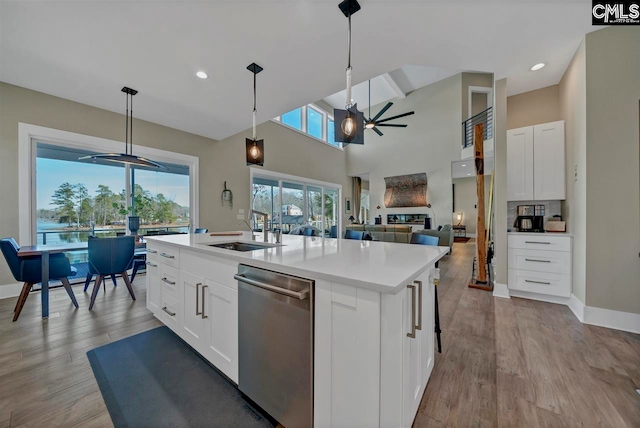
(348, 103)
(131, 128)
(254, 107)
(126, 130)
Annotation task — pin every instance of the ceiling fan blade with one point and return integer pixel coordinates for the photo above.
(396, 117)
(391, 124)
(377, 131)
(381, 112)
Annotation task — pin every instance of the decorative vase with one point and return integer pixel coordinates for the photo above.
(134, 224)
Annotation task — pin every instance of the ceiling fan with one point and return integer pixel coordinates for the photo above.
(374, 122)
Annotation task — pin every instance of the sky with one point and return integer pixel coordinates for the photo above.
(51, 173)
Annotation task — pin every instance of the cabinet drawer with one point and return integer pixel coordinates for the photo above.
(169, 313)
(164, 254)
(543, 242)
(169, 279)
(214, 268)
(540, 261)
(540, 282)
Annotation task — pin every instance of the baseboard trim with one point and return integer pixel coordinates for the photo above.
(617, 320)
(577, 307)
(10, 290)
(501, 290)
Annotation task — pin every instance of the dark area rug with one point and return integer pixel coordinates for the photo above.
(460, 239)
(154, 379)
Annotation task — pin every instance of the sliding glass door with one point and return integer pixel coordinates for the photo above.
(295, 203)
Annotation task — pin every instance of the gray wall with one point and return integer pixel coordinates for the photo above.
(429, 144)
(500, 185)
(286, 151)
(573, 108)
(534, 107)
(473, 79)
(613, 169)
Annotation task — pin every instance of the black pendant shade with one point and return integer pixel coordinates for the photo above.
(255, 147)
(341, 134)
(255, 152)
(127, 157)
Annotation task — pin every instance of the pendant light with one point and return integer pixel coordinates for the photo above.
(127, 157)
(351, 129)
(255, 147)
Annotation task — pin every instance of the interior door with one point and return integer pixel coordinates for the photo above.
(193, 324)
(221, 331)
(520, 164)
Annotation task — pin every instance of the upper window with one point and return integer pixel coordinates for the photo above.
(313, 121)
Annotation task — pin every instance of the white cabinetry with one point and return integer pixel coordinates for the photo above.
(540, 264)
(196, 296)
(536, 162)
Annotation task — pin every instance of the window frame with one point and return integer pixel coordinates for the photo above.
(28, 137)
(326, 117)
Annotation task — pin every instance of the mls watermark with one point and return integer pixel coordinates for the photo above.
(615, 13)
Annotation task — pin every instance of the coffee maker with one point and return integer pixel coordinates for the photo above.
(530, 218)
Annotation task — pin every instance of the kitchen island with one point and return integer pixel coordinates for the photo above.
(373, 336)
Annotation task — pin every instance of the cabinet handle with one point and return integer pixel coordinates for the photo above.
(172, 314)
(151, 264)
(198, 299)
(419, 326)
(168, 282)
(413, 311)
(537, 242)
(537, 282)
(169, 256)
(149, 250)
(203, 315)
(539, 261)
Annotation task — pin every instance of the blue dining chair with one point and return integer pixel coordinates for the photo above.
(109, 256)
(29, 271)
(201, 230)
(354, 234)
(89, 277)
(309, 232)
(420, 239)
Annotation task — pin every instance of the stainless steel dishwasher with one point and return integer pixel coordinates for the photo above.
(275, 341)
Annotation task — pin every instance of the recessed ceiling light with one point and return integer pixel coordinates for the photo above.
(468, 174)
(202, 74)
(464, 164)
(538, 66)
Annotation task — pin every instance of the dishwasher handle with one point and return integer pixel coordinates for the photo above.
(301, 295)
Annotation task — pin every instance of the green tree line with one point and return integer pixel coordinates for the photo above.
(75, 206)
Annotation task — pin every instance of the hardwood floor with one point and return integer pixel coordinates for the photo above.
(523, 363)
(505, 363)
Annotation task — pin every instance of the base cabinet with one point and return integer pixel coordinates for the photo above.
(154, 287)
(194, 323)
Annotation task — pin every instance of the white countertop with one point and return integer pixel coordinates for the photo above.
(541, 233)
(380, 266)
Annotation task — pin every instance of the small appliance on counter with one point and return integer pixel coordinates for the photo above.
(555, 224)
(530, 218)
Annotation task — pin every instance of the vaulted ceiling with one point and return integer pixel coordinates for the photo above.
(86, 51)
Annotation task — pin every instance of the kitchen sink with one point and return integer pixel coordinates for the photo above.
(241, 246)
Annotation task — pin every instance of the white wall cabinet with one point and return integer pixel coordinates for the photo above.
(536, 163)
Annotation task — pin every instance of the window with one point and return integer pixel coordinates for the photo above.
(313, 121)
(294, 201)
(293, 119)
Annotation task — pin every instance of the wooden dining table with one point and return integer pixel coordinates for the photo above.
(44, 251)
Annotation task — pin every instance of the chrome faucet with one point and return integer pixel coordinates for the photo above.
(253, 237)
(265, 218)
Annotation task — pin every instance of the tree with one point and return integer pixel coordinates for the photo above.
(103, 204)
(81, 204)
(63, 200)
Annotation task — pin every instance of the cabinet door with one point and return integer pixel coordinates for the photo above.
(428, 325)
(154, 287)
(520, 164)
(221, 331)
(193, 323)
(548, 161)
(412, 366)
